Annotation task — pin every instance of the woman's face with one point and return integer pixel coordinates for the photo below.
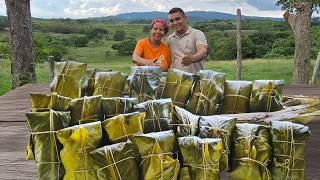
(157, 31)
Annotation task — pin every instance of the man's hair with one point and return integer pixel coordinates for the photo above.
(176, 9)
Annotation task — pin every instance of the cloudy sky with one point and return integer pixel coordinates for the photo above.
(96, 8)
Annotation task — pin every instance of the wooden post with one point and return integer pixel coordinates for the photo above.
(239, 54)
(315, 71)
(51, 67)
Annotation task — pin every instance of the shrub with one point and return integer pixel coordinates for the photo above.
(79, 40)
(119, 35)
(125, 47)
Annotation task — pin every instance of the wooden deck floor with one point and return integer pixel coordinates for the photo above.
(14, 133)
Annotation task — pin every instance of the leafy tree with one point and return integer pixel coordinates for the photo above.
(125, 47)
(146, 29)
(96, 33)
(119, 35)
(79, 40)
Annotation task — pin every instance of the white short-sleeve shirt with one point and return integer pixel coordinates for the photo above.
(186, 44)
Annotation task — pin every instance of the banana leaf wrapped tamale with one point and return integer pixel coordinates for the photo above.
(87, 87)
(184, 123)
(236, 97)
(162, 83)
(116, 162)
(207, 93)
(45, 102)
(219, 127)
(288, 146)
(144, 82)
(178, 87)
(158, 114)
(266, 95)
(67, 79)
(44, 145)
(156, 151)
(123, 126)
(78, 141)
(110, 84)
(86, 109)
(117, 105)
(200, 158)
(251, 152)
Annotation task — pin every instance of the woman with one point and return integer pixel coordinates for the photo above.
(151, 51)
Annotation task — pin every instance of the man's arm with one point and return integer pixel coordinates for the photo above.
(197, 57)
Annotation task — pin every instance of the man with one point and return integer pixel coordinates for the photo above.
(188, 46)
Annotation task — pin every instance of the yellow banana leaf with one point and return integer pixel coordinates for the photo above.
(117, 105)
(86, 109)
(45, 102)
(110, 84)
(122, 127)
(178, 87)
(87, 87)
(44, 145)
(158, 114)
(207, 93)
(236, 97)
(200, 158)
(156, 151)
(78, 141)
(184, 123)
(219, 127)
(251, 154)
(116, 162)
(289, 141)
(266, 95)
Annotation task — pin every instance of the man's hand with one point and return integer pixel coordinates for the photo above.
(187, 60)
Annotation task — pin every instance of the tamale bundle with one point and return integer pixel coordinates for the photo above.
(116, 162)
(123, 126)
(78, 141)
(178, 86)
(184, 123)
(251, 152)
(158, 114)
(219, 127)
(162, 83)
(44, 146)
(67, 79)
(45, 102)
(266, 95)
(288, 140)
(207, 93)
(200, 158)
(156, 151)
(236, 97)
(87, 88)
(117, 105)
(110, 84)
(86, 109)
(144, 82)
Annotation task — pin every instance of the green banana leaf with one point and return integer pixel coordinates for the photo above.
(86, 109)
(178, 86)
(156, 151)
(110, 84)
(87, 87)
(45, 102)
(144, 82)
(67, 79)
(158, 114)
(122, 127)
(251, 154)
(117, 105)
(44, 145)
(288, 146)
(184, 123)
(162, 83)
(207, 93)
(219, 127)
(266, 95)
(116, 162)
(78, 141)
(236, 97)
(200, 158)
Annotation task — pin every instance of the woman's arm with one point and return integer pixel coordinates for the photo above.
(141, 61)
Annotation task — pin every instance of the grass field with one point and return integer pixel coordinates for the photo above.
(252, 69)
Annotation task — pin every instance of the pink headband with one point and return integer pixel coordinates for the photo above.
(161, 21)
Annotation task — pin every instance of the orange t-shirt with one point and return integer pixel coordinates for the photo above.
(144, 49)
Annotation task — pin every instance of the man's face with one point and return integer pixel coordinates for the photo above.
(178, 22)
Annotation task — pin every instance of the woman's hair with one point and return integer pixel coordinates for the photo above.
(161, 21)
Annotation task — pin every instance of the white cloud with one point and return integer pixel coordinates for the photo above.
(2, 8)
